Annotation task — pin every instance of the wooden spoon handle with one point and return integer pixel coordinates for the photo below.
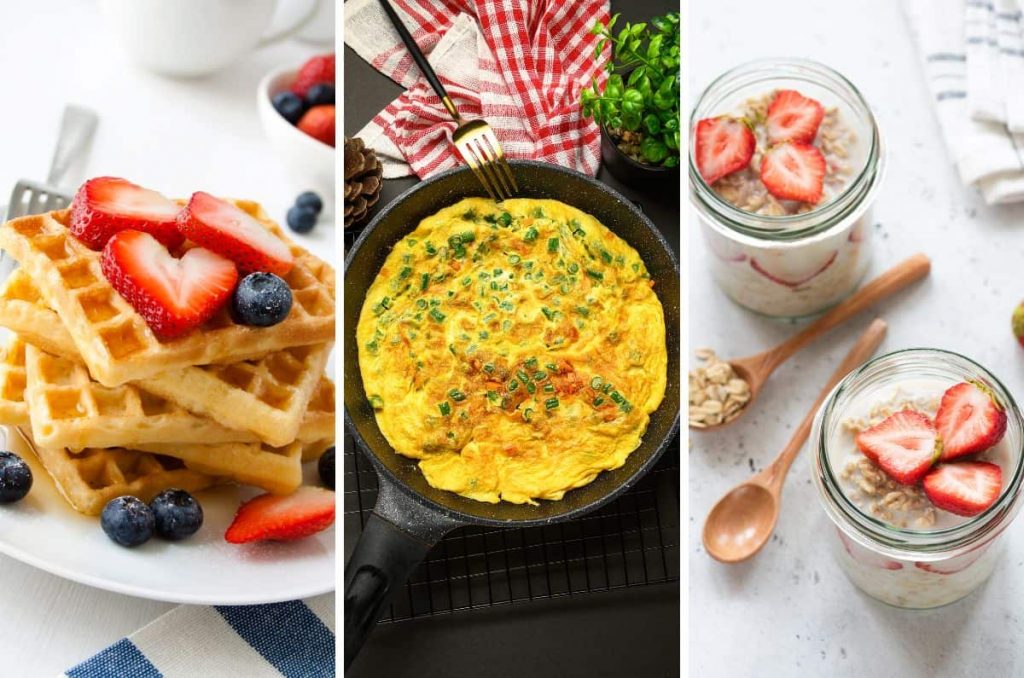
(861, 351)
(896, 278)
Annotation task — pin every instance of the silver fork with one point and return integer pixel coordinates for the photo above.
(77, 127)
(474, 139)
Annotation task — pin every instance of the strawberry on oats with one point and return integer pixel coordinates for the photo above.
(970, 420)
(793, 117)
(794, 171)
(965, 488)
(172, 295)
(723, 146)
(905, 446)
(106, 205)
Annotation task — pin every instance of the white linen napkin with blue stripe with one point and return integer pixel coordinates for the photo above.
(973, 57)
(294, 639)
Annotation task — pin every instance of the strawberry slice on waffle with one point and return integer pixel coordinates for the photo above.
(106, 205)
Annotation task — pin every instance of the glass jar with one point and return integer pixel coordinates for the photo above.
(913, 567)
(795, 264)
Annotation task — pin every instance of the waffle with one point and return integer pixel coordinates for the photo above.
(13, 409)
(91, 478)
(277, 470)
(266, 396)
(317, 429)
(116, 343)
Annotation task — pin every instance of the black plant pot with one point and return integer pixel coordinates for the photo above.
(631, 172)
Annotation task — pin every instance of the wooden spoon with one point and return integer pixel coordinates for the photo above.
(756, 369)
(742, 521)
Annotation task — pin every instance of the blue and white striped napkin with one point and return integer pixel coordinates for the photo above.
(293, 639)
(973, 56)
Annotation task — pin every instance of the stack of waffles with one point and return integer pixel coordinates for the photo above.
(112, 410)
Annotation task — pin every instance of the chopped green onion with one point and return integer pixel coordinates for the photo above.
(429, 247)
(424, 282)
(484, 334)
(514, 259)
(493, 396)
(606, 256)
(489, 367)
(551, 403)
(467, 236)
(445, 408)
(596, 275)
(617, 397)
(540, 376)
(404, 273)
(460, 251)
(596, 383)
(598, 401)
(548, 313)
(531, 234)
(531, 387)
(552, 245)
(436, 315)
(467, 281)
(574, 267)
(583, 311)
(522, 376)
(505, 219)
(549, 388)
(552, 367)
(376, 402)
(456, 395)
(626, 406)
(513, 385)
(528, 414)
(531, 363)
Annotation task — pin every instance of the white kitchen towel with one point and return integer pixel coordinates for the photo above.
(986, 153)
(1010, 37)
(294, 639)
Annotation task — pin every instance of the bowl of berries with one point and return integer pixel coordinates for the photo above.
(296, 108)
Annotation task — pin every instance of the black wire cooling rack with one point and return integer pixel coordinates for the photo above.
(632, 541)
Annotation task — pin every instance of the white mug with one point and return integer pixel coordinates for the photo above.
(196, 37)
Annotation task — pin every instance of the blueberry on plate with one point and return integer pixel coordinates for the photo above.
(289, 105)
(15, 478)
(326, 468)
(177, 514)
(127, 521)
(319, 95)
(311, 200)
(301, 219)
(261, 299)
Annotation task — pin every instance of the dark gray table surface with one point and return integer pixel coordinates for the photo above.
(630, 632)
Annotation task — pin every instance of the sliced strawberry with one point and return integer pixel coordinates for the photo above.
(965, 488)
(793, 117)
(724, 146)
(802, 280)
(969, 420)
(954, 565)
(222, 227)
(905, 446)
(105, 205)
(316, 70)
(318, 122)
(306, 511)
(173, 295)
(794, 171)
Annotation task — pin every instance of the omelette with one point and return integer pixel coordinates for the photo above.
(516, 349)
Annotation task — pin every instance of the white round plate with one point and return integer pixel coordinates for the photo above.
(43, 531)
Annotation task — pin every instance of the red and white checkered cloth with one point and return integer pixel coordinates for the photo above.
(518, 64)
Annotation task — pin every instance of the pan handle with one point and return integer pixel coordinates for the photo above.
(395, 540)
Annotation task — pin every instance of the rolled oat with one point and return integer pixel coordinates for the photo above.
(717, 393)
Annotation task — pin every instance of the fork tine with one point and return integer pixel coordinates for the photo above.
(489, 169)
(467, 152)
(502, 162)
(487, 144)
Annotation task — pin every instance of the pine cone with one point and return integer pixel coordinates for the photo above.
(362, 180)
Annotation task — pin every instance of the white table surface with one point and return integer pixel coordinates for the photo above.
(791, 611)
(176, 136)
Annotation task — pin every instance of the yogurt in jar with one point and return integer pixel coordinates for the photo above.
(785, 257)
(890, 539)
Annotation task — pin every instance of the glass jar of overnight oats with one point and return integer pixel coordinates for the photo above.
(781, 257)
(891, 541)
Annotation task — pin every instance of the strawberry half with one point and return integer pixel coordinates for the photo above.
(793, 117)
(105, 205)
(306, 511)
(172, 295)
(905, 446)
(222, 227)
(794, 171)
(724, 145)
(318, 122)
(969, 420)
(966, 488)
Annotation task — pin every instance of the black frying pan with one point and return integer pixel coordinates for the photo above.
(410, 516)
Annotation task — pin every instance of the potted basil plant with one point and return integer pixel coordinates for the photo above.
(638, 108)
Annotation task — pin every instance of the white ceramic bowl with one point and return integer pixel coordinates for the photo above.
(309, 163)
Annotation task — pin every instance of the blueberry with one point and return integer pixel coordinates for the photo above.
(177, 514)
(326, 467)
(289, 105)
(301, 219)
(15, 478)
(261, 299)
(321, 94)
(311, 200)
(127, 521)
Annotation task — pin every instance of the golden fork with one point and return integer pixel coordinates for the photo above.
(474, 139)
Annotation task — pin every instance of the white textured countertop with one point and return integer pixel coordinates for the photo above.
(791, 611)
(176, 136)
